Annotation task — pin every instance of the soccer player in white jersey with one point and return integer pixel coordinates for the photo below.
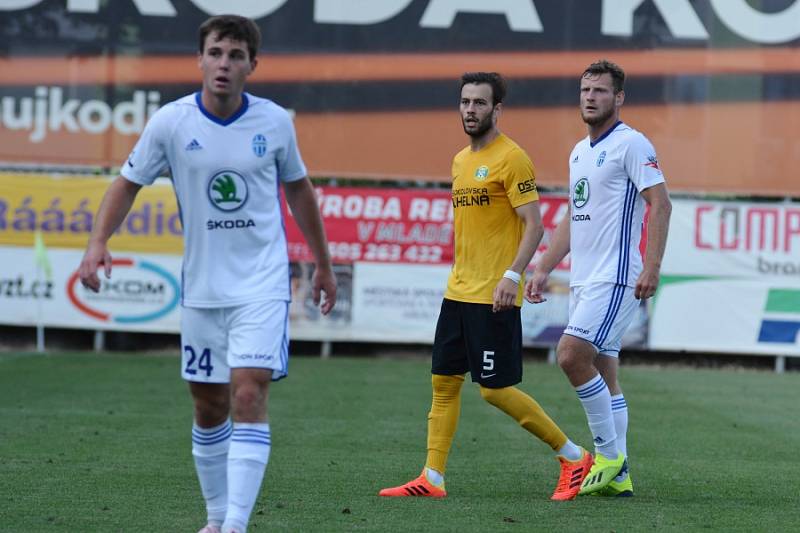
(228, 152)
(614, 174)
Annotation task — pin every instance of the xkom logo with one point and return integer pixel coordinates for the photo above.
(227, 190)
(140, 291)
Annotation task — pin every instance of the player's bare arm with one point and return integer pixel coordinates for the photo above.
(115, 206)
(303, 203)
(657, 198)
(505, 293)
(557, 250)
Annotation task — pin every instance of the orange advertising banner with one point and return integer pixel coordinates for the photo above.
(391, 116)
(702, 148)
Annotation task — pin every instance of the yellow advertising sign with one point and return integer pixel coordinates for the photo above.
(63, 208)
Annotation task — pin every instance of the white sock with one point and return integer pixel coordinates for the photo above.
(210, 451)
(620, 410)
(434, 476)
(571, 451)
(247, 460)
(596, 402)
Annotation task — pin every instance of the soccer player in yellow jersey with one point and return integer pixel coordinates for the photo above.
(497, 230)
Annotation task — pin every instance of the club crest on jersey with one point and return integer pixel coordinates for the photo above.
(481, 173)
(227, 190)
(259, 145)
(580, 194)
(601, 158)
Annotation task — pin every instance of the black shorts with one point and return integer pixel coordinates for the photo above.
(471, 338)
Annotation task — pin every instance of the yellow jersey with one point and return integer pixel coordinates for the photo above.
(487, 186)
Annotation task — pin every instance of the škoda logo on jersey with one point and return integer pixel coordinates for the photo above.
(580, 195)
(227, 190)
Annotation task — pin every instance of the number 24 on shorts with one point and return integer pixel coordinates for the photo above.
(203, 362)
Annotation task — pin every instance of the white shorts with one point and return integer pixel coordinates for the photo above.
(600, 313)
(254, 335)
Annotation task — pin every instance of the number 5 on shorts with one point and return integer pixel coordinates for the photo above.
(488, 360)
(203, 363)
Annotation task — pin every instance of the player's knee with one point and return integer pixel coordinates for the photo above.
(211, 409)
(246, 396)
(249, 402)
(568, 360)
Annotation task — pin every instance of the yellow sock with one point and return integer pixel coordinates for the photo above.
(443, 419)
(527, 412)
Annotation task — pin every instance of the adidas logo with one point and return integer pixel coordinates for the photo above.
(597, 478)
(576, 478)
(575, 160)
(417, 490)
(194, 145)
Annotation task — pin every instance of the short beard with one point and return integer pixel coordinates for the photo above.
(598, 119)
(483, 126)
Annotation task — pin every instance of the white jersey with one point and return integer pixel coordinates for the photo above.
(605, 179)
(225, 175)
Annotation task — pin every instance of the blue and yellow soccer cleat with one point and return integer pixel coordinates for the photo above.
(620, 487)
(602, 473)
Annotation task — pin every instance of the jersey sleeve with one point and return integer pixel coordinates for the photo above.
(290, 164)
(148, 160)
(520, 181)
(641, 163)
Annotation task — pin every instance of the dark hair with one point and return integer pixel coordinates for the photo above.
(604, 66)
(233, 27)
(495, 80)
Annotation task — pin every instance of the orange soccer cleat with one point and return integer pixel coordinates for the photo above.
(572, 475)
(416, 487)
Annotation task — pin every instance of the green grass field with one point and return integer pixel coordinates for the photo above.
(101, 443)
